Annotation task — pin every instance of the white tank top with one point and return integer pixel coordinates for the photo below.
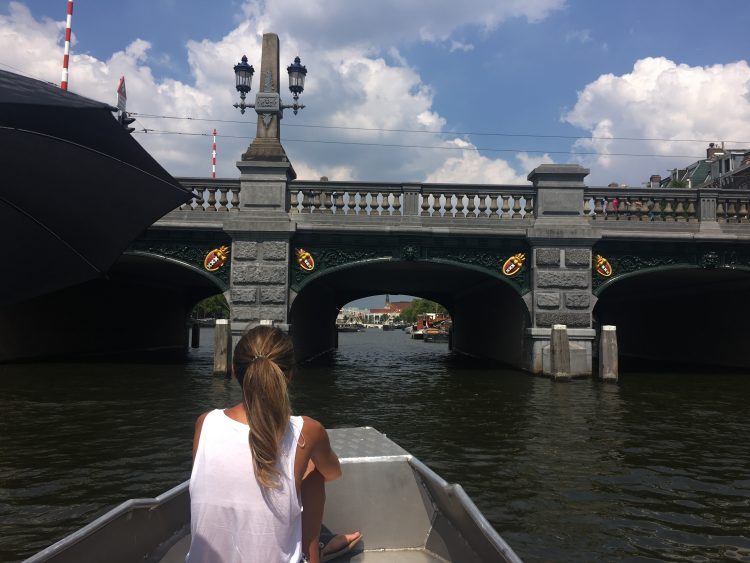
(232, 518)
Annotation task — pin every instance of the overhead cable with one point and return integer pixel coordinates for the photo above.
(475, 133)
(399, 145)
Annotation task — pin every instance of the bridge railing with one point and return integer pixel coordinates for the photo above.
(480, 202)
(422, 200)
(212, 194)
(667, 205)
(628, 204)
(732, 206)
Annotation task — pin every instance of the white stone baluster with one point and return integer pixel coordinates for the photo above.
(397, 203)
(732, 211)
(721, 216)
(211, 199)
(339, 205)
(223, 201)
(598, 208)
(424, 205)
(516, 207)
(199, 201)
(742, 213)
(460, 206)
(482, 213)
(528, 207)
(326, 202)
(506, 206)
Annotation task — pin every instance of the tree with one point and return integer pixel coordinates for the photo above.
(214, 307)
(420, 307)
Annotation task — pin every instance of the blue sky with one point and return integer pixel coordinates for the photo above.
(593, 69)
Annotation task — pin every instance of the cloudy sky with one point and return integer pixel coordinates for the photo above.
(472, 91)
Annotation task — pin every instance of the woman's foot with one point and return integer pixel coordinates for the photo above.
(338, 545)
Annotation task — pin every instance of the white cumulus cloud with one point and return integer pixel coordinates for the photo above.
(663, 101)
(471, 167)
(353, 82)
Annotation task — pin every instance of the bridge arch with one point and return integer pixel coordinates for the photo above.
(489, 313)
(681, 314)
(453, 263)
(143, 304)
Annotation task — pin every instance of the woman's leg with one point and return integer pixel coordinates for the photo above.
(313, 501)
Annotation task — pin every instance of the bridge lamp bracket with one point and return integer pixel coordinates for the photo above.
(269, 103)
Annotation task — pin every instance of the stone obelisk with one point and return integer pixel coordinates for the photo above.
(267, 143)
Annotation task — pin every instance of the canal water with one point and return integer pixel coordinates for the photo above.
(654, 468)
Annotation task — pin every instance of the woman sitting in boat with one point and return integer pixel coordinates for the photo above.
(255, 466)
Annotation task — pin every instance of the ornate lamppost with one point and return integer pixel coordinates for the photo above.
(268, 105)
(268, 102)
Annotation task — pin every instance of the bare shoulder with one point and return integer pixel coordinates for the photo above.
(199, 422)
(198, 428)
(313, 429)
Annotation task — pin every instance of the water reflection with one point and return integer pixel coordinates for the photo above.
(653, 468)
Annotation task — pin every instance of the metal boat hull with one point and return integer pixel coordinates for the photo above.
(405, 511)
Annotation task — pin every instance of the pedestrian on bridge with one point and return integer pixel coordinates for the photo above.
(615, 205)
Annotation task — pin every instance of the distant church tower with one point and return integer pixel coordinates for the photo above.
(387, 301)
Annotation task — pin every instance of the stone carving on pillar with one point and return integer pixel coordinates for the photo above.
(267, 143)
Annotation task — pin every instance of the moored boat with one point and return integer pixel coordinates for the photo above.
(434, 335)
(406, 512)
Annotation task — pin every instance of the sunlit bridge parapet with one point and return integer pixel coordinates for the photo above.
(607, 207)
(423, 200)
(625, 205)
(212, 194)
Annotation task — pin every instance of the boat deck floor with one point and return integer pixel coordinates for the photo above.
(179, 550)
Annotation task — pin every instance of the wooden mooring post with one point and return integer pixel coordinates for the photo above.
(609, 369)
(195, 335)
(222, 350)
(559, 353)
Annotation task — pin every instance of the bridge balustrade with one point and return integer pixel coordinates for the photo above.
(667, 205)
(347, 199)
(212, 195)
(481, 202)
(732, 207)
(607, 204)
(427, 200)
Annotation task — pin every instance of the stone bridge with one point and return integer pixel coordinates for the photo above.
(670, 268)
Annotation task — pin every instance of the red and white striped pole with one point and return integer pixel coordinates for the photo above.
(66, 56)
(213, 157)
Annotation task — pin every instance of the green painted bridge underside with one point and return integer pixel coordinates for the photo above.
(334, 253)
(629, 258)
(188, 247)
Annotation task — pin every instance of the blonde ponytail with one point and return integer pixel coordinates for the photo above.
(262, 363)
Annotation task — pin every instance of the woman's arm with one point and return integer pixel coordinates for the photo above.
(197, 436)
(321, 454)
